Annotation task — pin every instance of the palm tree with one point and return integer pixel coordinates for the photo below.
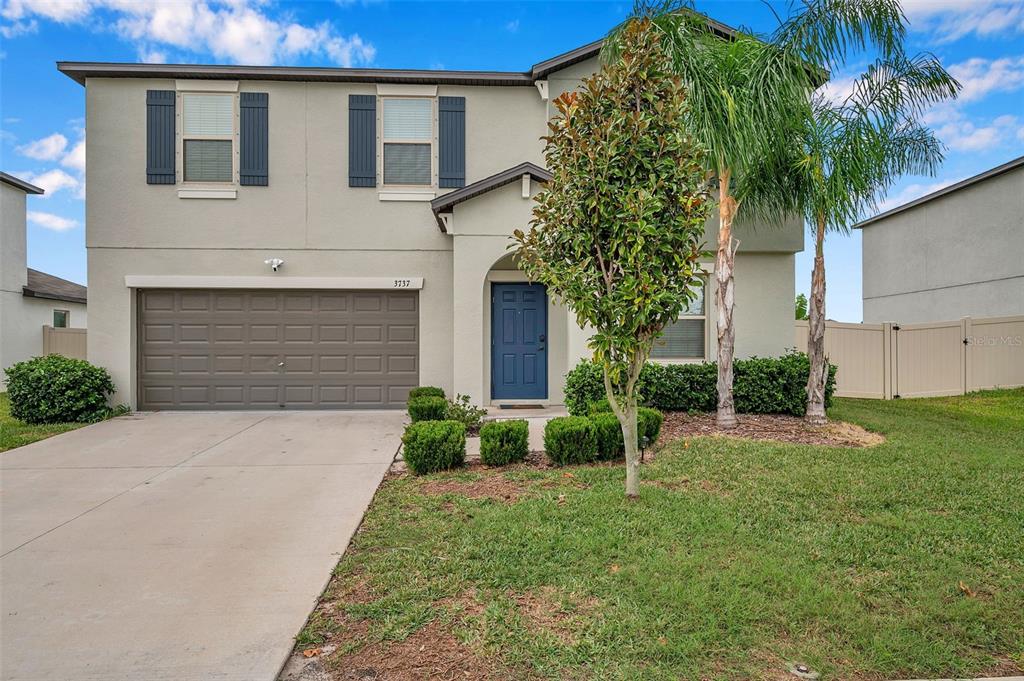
(744, 95)
(850, 154)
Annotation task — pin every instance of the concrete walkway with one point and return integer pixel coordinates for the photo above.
(178, 545)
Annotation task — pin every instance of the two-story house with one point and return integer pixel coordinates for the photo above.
(266, 237)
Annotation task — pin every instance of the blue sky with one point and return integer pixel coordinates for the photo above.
(41, 112)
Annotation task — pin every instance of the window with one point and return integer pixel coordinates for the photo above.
(208, 134)
(407, 142)
(685, 338)
(61, 319)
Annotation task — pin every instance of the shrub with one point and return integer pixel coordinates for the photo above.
(504, 442)
(426, 391)
(465, 413)
(429, 446)
(57, 389)
(774, 385)
(569, 440)
(427, 409)
(608, 435)
(600, 407)
(649, 422)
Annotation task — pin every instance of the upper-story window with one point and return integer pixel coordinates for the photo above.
(685, 339)
(407, 141)
(208, 137)
(61, 319)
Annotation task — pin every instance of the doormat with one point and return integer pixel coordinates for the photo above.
(520, 406)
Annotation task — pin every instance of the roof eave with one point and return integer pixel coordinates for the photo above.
(44, 295)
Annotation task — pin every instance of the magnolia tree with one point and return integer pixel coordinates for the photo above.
(616, 234)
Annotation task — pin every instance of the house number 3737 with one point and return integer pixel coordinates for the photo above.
(402, 283)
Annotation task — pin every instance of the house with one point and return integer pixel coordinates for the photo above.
(29, 299)
(954, 253)
(265, 237)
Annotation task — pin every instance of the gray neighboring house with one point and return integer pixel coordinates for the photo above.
(291, 237)
(29, 299)
(957, 252)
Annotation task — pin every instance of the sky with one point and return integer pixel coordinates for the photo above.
(981, 42)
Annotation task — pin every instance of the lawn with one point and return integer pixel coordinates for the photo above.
(903, 560)
(14, 433)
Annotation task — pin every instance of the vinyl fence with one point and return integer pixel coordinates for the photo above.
(886, 361)
(67, 342)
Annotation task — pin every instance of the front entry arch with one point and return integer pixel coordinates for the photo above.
(519, 341)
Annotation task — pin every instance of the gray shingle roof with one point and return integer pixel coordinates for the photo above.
(446, 202)
(43, 285)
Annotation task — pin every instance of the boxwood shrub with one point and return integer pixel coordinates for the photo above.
(775, 385)
(649, 422)
(504, 442)
(58, 389)
(429, 408)
(426, 391)
(608, 431)
(569, 440)
(429, 446)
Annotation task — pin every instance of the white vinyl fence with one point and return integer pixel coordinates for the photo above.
(884, 361)
(67, 342)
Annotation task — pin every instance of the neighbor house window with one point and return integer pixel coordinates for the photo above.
(61, 319)
(686, 337)
(407, 142)
(208, 137)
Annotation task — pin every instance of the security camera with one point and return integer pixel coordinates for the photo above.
(274, 263)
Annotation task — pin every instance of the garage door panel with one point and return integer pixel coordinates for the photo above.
(266, 349)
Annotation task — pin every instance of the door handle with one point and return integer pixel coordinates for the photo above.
(280, 364)
(542, 338)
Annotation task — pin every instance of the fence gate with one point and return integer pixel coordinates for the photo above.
(930, 359)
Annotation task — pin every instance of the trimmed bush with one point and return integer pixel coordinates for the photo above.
(460, 409)
(648, 422)
(504, 442)
(569, 440)
(608, 435)
(430, 408)
(602, 406)
(425, 391)
(429, 446)
(776, 385)
(58, 389)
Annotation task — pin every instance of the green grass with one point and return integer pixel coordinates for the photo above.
(15, 433)
(741, 556)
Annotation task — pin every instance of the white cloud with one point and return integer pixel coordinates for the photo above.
(75, 158)
(914, 191)
(240, 31)
(16, 28)
(512, 26)
(981, 77)
(51, 221)
(961, 133)
(950, 20)
(53, 181)
(45, 149)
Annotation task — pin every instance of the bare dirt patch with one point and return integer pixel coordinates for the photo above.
(544, 611)
(775, 427)
(497, 487)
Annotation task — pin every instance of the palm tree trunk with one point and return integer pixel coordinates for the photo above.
(724, 299)
(816, 335)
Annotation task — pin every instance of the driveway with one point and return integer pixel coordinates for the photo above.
(179, 545)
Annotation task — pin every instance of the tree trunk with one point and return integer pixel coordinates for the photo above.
(816, 335)
(724, 299)
(626, 411)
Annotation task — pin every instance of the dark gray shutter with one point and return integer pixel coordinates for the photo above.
(254, 139)
(362, 140)
(160, 136)
(451, 131)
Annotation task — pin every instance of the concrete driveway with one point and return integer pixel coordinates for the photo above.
(178, 545)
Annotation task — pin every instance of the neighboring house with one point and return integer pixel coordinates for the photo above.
(29, 299)
(957, 252)
(386, 198)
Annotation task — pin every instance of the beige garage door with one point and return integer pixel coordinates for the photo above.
(226, 349)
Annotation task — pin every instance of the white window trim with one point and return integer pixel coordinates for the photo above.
(407, 192)
(708, 270)
(196, 190)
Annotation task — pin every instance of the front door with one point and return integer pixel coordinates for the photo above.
(519, 328)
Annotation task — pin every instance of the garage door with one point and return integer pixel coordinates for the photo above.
(226, 349)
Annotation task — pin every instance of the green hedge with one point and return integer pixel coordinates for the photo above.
(430, 408)
(58, 389)
(776, 385)
(426, 391)
(608, 431)
(569, 440)
(504, 442)
(429, 446)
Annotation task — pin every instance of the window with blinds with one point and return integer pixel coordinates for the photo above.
(686, 337)
(407, 141)
(208, 133)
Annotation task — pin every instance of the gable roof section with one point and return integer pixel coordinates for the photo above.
(445, 203)
(43, 285)
(20, 184)
(981, 177)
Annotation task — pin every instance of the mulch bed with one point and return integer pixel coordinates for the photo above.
(774, 427)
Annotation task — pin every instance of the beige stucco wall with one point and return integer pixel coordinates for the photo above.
(959, 255)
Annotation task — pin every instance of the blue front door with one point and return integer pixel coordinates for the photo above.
(519, 328)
